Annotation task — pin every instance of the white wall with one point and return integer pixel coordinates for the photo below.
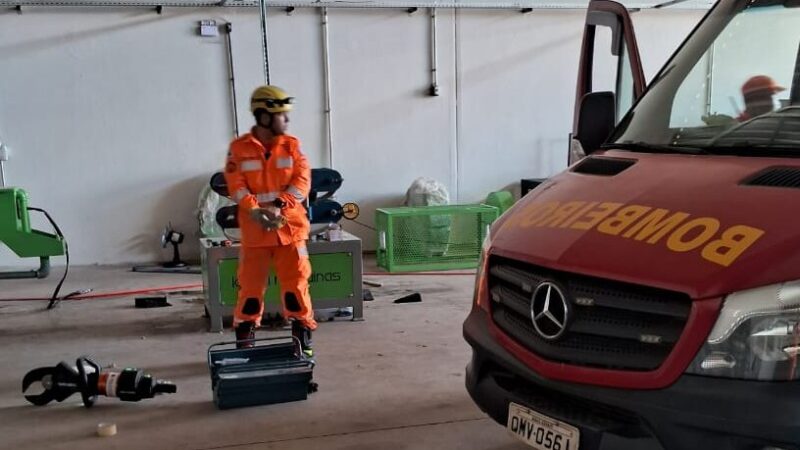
(117, 117)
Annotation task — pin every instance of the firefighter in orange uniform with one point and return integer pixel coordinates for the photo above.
(269, 178)
(758, 93)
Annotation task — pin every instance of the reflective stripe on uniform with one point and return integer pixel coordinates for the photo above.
(302, 251)
(296, 193)
(250, 165)
(284, 163)
(240, 194)
(266, 197)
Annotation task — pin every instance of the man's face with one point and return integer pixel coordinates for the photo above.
(760, 102)
(280, 123)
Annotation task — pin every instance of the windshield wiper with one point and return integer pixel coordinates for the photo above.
(748, 149)
(647, 147)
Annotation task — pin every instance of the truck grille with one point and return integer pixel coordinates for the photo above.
(612, 325)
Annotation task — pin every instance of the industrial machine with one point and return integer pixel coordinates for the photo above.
(24, 241)
(335, 256)
(322, 209)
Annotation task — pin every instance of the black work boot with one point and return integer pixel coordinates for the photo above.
(245, 331)
(303, 334)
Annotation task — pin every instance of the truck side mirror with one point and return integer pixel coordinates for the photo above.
(595, 120)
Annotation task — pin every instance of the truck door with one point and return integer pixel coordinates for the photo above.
(609, 63)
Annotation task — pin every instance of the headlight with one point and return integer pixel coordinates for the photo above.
(756, 337)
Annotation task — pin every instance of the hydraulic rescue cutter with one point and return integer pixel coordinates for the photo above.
(88, 378)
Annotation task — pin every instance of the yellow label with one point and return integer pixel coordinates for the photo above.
(676, 231)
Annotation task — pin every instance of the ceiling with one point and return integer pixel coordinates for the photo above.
(483, 4)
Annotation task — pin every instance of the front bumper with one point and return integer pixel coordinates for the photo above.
(694, 413)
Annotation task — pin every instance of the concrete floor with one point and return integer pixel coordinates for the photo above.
(393, 381)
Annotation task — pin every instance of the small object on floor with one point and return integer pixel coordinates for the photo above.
(413, 298)
(372, 283)
(367, 295)
(106, 429)
(347, 311)
(162, 269)
(187, 292)
(86, 377)
(331, 314)
(158, 301)
(76, 293)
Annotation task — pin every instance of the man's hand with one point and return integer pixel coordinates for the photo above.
(272, 212)
(258, 216)
(269, 217)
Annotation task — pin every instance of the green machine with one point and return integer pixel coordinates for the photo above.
(335, 281)
(16, 233)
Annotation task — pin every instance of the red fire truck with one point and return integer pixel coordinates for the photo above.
(649, 295)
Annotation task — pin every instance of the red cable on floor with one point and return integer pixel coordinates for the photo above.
(111, 293)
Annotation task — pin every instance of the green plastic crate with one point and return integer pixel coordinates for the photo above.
(432, 237)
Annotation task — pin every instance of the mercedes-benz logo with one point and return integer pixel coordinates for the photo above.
(550, 310)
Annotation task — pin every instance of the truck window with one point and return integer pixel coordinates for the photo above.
(604, 65)
(756, 43)
(611, 69)
(625, 89)
(728, 90)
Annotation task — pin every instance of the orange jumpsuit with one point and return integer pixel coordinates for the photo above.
(256, 176)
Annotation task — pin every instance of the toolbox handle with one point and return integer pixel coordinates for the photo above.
(298, 346)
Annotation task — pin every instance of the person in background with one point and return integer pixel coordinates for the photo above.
(758, 93)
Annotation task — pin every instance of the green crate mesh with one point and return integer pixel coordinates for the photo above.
(432, 237)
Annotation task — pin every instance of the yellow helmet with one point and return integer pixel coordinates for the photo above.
(271, 98)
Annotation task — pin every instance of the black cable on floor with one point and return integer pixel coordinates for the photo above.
(54, 299)
(363, 224)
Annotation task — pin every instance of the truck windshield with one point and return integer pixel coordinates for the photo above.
(732, 88)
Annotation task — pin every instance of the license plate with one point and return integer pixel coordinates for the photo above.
(539, 431)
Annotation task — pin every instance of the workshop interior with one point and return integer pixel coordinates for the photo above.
(397, 224)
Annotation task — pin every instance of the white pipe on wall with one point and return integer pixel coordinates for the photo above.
(326, 74)
(3, 158)
(455, 158)
(434, 56)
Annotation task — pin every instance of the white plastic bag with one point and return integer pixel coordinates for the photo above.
(208, 204)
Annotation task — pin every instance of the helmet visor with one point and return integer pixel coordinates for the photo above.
(275, 102)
